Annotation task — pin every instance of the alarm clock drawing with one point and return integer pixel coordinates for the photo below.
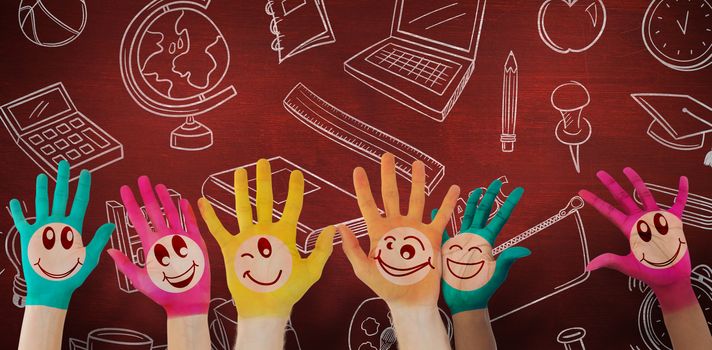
(679, 33)
(650, 317)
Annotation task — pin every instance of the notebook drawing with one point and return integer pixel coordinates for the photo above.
(429, 56)
(298, 25)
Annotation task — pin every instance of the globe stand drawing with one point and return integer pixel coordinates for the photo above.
(191, 136)
(158, 56)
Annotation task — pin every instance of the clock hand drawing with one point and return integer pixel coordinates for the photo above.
(687, 17)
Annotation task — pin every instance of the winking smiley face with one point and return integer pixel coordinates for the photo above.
(263, 263)
(404, 256)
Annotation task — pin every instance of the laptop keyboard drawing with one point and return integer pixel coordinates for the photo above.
(429, 56)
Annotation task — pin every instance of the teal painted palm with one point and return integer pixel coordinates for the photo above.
(470, 274)
(55, 261)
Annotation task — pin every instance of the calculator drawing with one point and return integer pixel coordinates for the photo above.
(48, 128)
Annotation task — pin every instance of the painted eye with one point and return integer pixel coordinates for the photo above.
(179, 246)
(644, 231)
(162, 255)
(475, 248)
(455, 246)
(67, 237)
(407, 251)
(48, 238)
(264, 247)
(389, 245)
(661, 223)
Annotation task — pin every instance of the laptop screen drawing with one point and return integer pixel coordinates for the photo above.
(37, 109)
(444, 22)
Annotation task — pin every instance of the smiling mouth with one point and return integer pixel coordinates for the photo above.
(60, 275)
(666, 262)
(449, 261)
(248, 275)
(400, 272)
(181, 283)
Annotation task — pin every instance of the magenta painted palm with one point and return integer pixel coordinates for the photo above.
(177, 271)
(658, 248)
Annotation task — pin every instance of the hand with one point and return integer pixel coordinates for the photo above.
(265, 272)
(403, 264)
(470, 273)
(177, 272)
(659, 255)
(55, 261)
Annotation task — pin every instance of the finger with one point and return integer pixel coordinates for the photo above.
(619, 263)
(389, 185)
(295, 198)
(445, 236)
(129, 269)
(264, 191)
(485, 207)
(645, 196)
(364, 196)
(448, 205)
(61, 190)
(136, 215)
(681, 199)
(81, 197)
(98, 242)
(243, 208)
(358, 259)
(416, 205)
(151, 204)
(321, 253)
(215, 227)
(607, 210)
(191, 223)
(618, 192)
(470, 208)
(169, 208)
(41, 197)
(504, 213)
(18, 216)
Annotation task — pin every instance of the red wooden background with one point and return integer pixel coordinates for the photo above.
(254, 124)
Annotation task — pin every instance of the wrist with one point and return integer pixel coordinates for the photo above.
(188, 332)
(409, 322)
(262, 332)
(186, 310)
(675, 296)
(42, 327)
(49, 298)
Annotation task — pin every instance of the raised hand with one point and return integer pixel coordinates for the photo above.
(403, 263)
(265, 273)
(177, 271)
(55, 261)
(658, 248)
(470, 274)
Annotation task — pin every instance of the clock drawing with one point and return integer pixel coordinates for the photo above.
(678, 33)
(650, 317)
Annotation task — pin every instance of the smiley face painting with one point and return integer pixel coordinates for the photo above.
(657, 240)
(175, 263)
(404, 256)
(56, 251)
(468, 263)
(263, 263)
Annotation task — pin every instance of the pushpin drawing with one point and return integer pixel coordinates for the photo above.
(573, 129)
(572, 338)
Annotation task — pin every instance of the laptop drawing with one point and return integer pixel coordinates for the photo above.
(429, 56)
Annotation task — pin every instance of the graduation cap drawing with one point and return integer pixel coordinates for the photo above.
(679, 121)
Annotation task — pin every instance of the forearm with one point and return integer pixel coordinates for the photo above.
(473, 330)
(260, 333)
(42, 328)
(419, 327)
(188, 332)
(688, 328)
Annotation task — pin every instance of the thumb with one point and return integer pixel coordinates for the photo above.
(98, 242)
(620, 263)
(354, 252)
(321, 253)
(126, 267)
